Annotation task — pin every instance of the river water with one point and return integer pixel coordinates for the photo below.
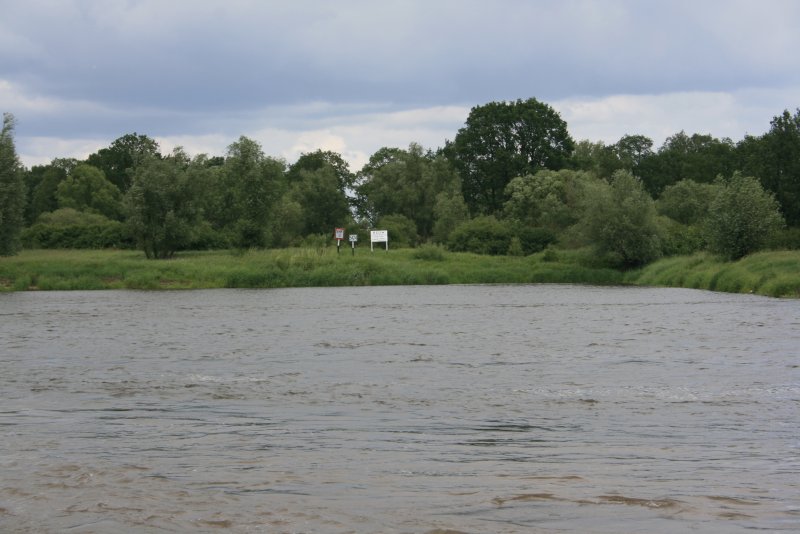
(541, 408)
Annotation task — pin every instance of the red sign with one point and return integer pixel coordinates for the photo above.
(338, 233)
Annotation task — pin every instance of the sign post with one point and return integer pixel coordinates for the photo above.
(378, 236)
(353, 240)
(338, 234)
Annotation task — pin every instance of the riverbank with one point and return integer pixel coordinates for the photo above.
(774, 274)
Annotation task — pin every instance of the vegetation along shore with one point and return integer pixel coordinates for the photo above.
(775, 274)
(512, 198)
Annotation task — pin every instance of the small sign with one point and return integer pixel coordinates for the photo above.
(338, 233)
(353, 238)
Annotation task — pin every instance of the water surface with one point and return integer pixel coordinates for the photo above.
(540, 408)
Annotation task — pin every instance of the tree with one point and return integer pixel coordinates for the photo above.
(502, 140)
(550, 199)
(595, 157)
(632, 151)
(405, 182)
(775, 159)
(324, 204)
(12, 191)
(42, 184)
(161, 214)
(120, 160)
(449, 211)
(621, 221)
(742, 217)
(313, 161)
(253, 183)
(86, 189)
(699, 158)
(686, 202)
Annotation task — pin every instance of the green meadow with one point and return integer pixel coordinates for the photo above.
(775, 274)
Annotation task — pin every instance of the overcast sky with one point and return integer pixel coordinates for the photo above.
(353, 76)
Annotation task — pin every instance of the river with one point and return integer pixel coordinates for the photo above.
(444, 409)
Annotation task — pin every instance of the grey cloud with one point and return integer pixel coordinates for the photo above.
(188, 66)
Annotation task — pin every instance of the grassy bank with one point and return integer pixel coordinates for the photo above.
(775, 274)
(772, 273)
(107, 269)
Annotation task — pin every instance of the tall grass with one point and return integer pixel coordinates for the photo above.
(775, 274)
(768, 273)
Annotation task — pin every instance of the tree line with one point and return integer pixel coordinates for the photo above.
(512, 181)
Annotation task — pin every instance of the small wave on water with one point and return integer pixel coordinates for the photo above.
(434, 410)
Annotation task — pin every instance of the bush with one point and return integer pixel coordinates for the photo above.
(680, 239)
(482, 235)
(534, 240)
(742, 218)
(69, 228)
(402, 230)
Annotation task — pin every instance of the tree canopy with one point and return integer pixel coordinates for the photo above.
(503, 140)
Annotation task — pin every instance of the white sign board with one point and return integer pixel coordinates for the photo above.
(353, 238)
(378, 236)
(338, 233)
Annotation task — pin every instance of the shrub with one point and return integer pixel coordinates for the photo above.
(402, 230)
(742, 218)
(69, 228)
(533, 240)
(482, 235)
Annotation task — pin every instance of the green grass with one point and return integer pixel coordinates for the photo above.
(775, 274)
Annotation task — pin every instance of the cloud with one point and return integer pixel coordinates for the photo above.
(358, 74)
(721, 114)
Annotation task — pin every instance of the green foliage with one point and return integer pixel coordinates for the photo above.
(776, 274)
(402, 230)
(429, 253)
(550, 199)
(405, 182)
(687, 201)
(252, 184)
(62, 269)
(323, 203)
(742, 217)
(620, 221)
(161, 215)
(699, 158)
(481, 235)
(629, 153)
(449, 211)
(774, 159)
(12, 191)
(680, 239)
(69, 228)
(502, 140)
(488, 235)
(86, 189)
(120, 160)
(532, 239)
(319, 159)
(42, 182)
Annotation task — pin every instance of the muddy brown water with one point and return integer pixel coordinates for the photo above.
(540, 408)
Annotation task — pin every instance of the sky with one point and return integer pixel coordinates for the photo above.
(353, 76)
